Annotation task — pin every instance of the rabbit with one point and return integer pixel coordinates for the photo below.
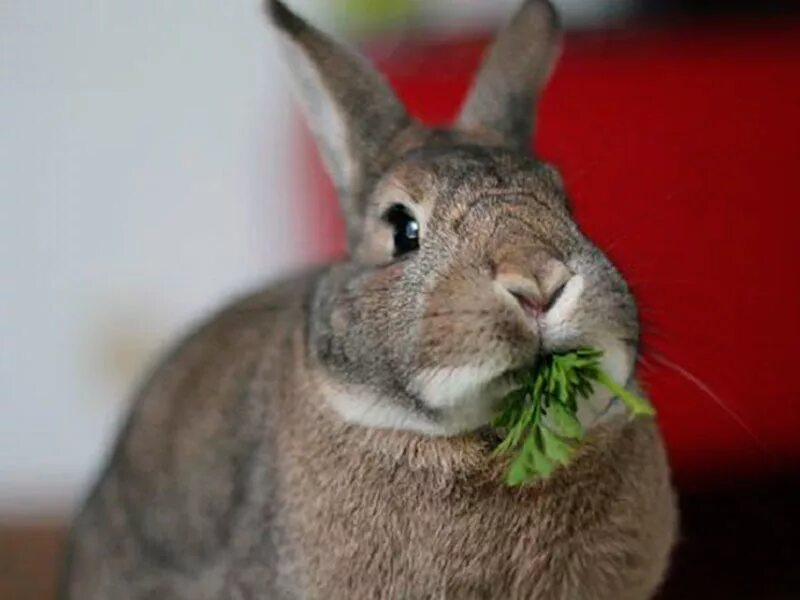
(329, 436)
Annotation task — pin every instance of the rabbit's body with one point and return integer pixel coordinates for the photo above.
(236, 480)
(328, 438)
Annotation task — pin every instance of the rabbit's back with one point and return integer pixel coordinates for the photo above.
(189, 493)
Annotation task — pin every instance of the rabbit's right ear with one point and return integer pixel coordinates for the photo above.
(350, 108)
(506, 90)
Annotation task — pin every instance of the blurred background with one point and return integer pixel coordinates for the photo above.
(152, 166)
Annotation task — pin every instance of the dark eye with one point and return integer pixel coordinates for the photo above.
(406, 229)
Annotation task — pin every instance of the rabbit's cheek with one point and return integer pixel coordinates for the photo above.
(466, 396)
(339, 320)
(449, 386)
(601, 406)
(362, 405)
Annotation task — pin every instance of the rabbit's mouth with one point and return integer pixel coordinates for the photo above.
(466, 398)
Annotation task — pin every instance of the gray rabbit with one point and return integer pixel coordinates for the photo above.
(328, 437)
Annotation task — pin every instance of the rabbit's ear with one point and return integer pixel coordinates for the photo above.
(350, 108)
(504, 95)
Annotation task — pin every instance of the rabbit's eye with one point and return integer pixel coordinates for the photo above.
(406, 229)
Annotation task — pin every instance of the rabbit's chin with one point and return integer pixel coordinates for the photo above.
(454, 400)
(461, 399)
(464, 398)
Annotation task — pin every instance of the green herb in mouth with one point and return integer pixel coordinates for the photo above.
(540, 417)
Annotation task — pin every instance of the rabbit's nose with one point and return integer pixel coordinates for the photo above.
(537, 285)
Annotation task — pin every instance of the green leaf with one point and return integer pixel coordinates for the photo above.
(584, 388)
(566, 422)
(542, 465)
(562, 386)
(552, 388)
(534, 456)
(538, 386)
(638, 406)
(556, 448)
(512, 411)
(518, 472)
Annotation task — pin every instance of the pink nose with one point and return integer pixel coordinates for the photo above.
(537, 282)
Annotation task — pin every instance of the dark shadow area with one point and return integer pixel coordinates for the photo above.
(721, 7)
(739, 542)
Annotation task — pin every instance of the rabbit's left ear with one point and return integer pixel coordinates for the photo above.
(350, 108)
(508, 84)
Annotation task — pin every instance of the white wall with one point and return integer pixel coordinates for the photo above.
(144, 177)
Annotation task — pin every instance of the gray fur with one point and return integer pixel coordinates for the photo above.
(512, 76)
(298, 445)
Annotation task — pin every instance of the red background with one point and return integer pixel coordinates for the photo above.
(681, 150)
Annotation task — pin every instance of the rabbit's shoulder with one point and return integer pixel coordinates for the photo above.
(218, 362)
(180, 479)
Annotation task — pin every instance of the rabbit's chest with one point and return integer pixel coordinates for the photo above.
(413, 541)
(362, 529)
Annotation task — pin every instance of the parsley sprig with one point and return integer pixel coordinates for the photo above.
(540, 417)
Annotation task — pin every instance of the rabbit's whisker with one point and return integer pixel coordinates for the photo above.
(707, 391)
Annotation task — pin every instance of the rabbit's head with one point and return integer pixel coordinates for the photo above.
(464, 262)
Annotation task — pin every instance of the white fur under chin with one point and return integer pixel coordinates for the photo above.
(466, 398)
(464, 395)
(361, 406)
(449, 387)
(601, 407)
(460, 394)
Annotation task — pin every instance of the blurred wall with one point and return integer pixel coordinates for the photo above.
(145, 159)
